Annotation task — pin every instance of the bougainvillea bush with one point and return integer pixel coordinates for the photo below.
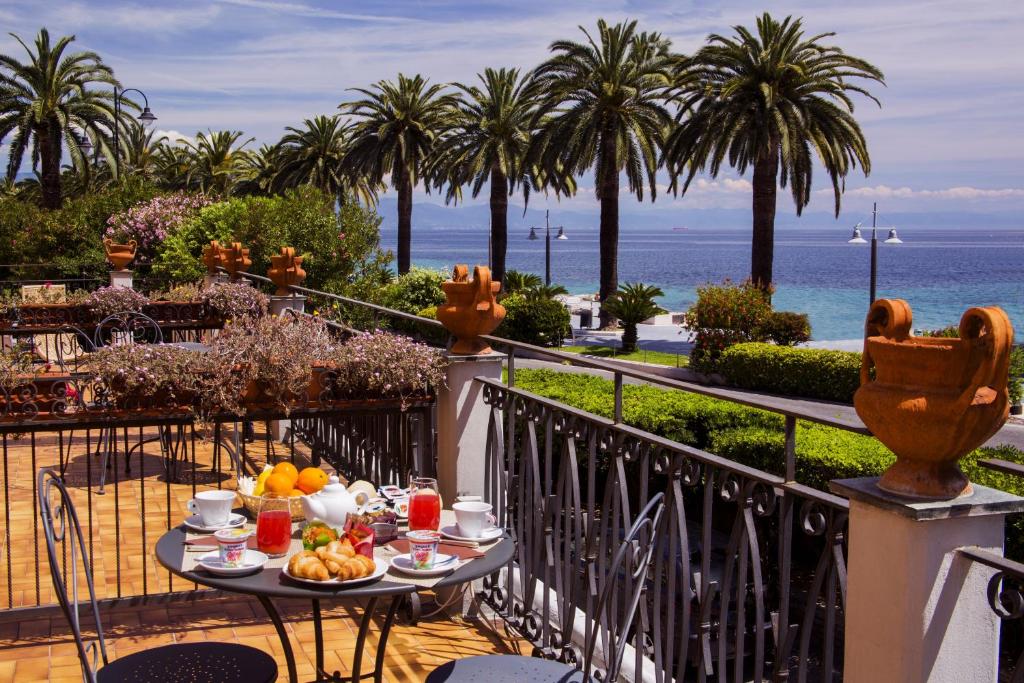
(151, 222)
(109, 300)
(385, 365)
(236, 300)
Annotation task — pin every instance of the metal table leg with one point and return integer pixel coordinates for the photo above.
(289, 656)
(364, 628)
(378, 671)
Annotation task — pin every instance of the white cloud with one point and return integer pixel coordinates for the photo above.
(303, 10)
(173, 136)
(955, 193)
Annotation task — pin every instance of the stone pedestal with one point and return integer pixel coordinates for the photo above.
(916, 610)
(462, 425)
(121, 278)
(280, 304)
(209, 280)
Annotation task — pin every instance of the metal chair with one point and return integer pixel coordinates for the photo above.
(618, 611)
(181, 662)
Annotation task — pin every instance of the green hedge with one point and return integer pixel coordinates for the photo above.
(812, 373)
(534, 320)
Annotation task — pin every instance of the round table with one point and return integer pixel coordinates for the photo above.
(271, 583)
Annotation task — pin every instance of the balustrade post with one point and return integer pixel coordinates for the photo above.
(916, 610)
(121, 278)
(280, 304)
(462, 419)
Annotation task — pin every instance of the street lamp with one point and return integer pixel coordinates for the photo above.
(146, 117)
(857, 239)
(547, 244)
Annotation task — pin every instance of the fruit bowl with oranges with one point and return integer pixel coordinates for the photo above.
(283, 479)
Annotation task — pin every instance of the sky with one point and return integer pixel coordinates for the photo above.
(949, 136)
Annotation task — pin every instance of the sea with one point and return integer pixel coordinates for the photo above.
(940, 272)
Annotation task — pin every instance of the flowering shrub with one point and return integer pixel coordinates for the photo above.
(273, 355)
(384, 365)
(237, 300)
(724, 315)
(150, 222)
(15, 363)
(109, 300)
(189, 292)
(136, 375)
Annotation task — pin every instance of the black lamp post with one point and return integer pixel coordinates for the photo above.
(147, 117)
(857, 239)
(547, 244)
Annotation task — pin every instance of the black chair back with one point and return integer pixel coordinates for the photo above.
(66, 550)
(625, 584)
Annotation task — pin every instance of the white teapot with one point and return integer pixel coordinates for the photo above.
(331, 505)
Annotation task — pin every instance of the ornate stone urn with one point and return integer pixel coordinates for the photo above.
(286, 270)
(932, 400)
(213, 257)
(236, 259)
(471, 309)
(119, 255)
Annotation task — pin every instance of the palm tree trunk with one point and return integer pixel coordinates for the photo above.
(499, 223)
(766, 171)
(404, 222)
(48, 139)
(609, 239)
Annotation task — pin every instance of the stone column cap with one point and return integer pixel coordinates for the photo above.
(981, 502)
(460, 358)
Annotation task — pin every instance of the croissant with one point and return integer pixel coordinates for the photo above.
(308, 566)
(356, 568)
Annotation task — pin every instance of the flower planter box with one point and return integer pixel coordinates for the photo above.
(38, 395)
(189, 314)
(168, 314)
(28, 316)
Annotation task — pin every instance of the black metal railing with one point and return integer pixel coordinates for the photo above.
(130, 475)
(747, 584)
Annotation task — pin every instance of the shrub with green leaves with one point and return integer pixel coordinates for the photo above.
(418, 289)
(724, 315)
(539, 321)
(786, 328)
(811, 373)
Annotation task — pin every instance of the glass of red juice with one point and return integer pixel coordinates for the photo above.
(424, 504)
(274, 525)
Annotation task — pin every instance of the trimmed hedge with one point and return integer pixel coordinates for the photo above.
(540, 321)
(811, 373)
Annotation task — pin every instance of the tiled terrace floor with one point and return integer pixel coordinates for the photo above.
(127, 520)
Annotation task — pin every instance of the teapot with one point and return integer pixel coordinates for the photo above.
(331, 505)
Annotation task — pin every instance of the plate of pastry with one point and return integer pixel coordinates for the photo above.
(335, 564)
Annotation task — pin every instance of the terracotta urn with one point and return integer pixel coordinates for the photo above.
(932, 400)
(286, 270)
(470, 309)
(213, 257)
(119, 255)
(236, 259)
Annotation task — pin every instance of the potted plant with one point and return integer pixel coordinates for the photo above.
(181, 306)
(236, 300)
(146, 377)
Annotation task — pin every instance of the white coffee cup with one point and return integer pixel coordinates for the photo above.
(473, 518)
(213, 507)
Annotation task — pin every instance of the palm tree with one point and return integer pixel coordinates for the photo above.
(45, 99)
(140, 149)
(489, 139)
(632, 304)
(217, 162)
(315, 155)
(396, 127)
(518, 281)
(607, 97)
(172, 162)
(773, 101)
(259, 171)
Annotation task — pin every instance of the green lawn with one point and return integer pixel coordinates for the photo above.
(654, 357)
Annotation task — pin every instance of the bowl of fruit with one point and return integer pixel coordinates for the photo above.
(283, 479)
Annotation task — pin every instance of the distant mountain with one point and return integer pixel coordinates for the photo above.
(428, 215)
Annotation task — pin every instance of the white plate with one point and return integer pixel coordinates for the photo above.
(393, 492)
(452, 531)
(196, 522)
(442, 565)
(254, 561)
(380, 570)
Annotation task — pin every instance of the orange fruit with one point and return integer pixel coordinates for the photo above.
(311, 480)
(296, 493)
(288, 470)
(279, 484)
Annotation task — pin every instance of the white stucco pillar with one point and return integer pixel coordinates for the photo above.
(210, 279)
(462, 425)
(280, 304)
(121, 278)
(917, 610)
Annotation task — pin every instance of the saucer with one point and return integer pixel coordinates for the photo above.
(254, 561)
(195, 522)
(452, 531)
(442, 565)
